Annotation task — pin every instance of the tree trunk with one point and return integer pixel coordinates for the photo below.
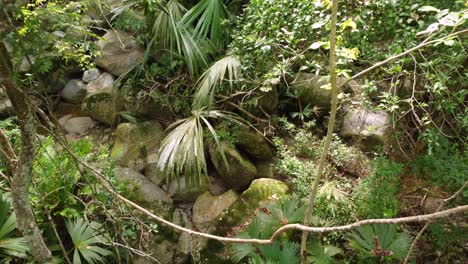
(331, 126)
(22, 172)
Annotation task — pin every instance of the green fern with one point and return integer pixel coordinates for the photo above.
(379, 243)
(9, 245)
(86, 238)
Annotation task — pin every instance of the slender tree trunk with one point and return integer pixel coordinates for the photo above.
(22, 172)
(331, 126)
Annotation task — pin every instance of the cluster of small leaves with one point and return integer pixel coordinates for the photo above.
(53, 30)
(376, 195)
(443, 164)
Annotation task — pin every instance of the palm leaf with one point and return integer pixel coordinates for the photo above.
(168, 33)
(208, 16)
(182, 150)
(86, 237)
(10, 246)
(214, 77)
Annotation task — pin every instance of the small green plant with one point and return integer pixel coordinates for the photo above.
(321, 254)
(443, 164)
(268, 219)
(380, 243)
(87, 238)
(376, 195)
(10, 245)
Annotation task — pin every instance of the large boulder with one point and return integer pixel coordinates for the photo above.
(143, 190)
(102, 83)
(102, 101)
(102, 106)
(74, 91)
(254, 144)
(313, 91)
(180, 191)
(370, 125)
(154, 173)
(240, 171)
(259, 192)
(6, 108)
(77, 125)
(134, 141)
(119, 52)
(208, 209)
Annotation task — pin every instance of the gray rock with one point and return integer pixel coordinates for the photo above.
(313, 91)
(103, 83)
(240, 171)
(254, 144)
(181, 192)
(74, 91)
(78, 125)
(91, 75)
(265, 169)
(133, 141)
(119, 52)
(208, 209)
(142, 189)
(6, 108)
(153, 173)
(370, 125)
(25, 66)
(102, 106)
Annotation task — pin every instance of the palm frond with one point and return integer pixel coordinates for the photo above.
(182, 150)
(86, 238)
(214, 77)
(9, 245)
(169, 33)
(208, 16)
(376, 241)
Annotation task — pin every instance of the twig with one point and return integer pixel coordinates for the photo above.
(421, 232)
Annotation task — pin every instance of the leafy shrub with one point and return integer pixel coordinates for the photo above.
(380, 243)
(376, 195)
(443, 165)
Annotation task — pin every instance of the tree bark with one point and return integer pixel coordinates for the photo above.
(22, 173)
(331, 126)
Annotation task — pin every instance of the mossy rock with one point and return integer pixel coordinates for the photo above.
(260, 191)
(254, 144)
(180, 191)
(101, 106)
(240, 171)
(208, 208)
(135, 141)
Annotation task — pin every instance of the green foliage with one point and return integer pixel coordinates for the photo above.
(214, 77)
(268, 219)
(86, 239)
(447, 242)
(321, 254)
(182, 152)
(209, 16)
(443, 164)
(376, 195)
(168, 32)
(56, 177)
(51, 30)
(380, 243)
(10, 245)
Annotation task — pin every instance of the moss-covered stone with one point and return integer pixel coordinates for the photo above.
(101, 106)
(134, 141)
(240, 171)
(254, 144)
(180, 191)
(259, 192)
(208, 208)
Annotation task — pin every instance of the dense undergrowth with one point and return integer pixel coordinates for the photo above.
(213, 66)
